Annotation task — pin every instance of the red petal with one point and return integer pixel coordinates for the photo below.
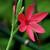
(21, 18)
(29, 11)
(22, 27)
(37, 28)
(39, 17)
(30, 33)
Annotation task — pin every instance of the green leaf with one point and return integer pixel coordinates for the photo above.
(19, 5)
(21, 10)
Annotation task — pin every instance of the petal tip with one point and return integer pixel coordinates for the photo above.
(43, 31)
(46, 13)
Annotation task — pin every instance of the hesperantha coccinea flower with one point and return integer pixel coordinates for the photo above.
(29, 22)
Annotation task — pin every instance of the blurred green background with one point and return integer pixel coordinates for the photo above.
(6, 17)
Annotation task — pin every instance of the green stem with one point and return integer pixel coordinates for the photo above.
(14, 21)
(11, 35)
(9, 42)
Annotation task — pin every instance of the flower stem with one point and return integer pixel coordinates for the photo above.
(9, 42)
(11, 35)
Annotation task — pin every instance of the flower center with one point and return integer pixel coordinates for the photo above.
(27, 22)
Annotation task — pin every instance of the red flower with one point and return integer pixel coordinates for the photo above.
(29, 22)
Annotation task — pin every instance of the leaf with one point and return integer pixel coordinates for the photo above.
(21, 10)
(19, 6)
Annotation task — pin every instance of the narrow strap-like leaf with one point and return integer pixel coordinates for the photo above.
(19, 5)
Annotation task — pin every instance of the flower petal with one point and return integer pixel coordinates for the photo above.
(21, 18)
(30, 33)
(39, 17)
(37, 28)
(22, 27)
(29, 11)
